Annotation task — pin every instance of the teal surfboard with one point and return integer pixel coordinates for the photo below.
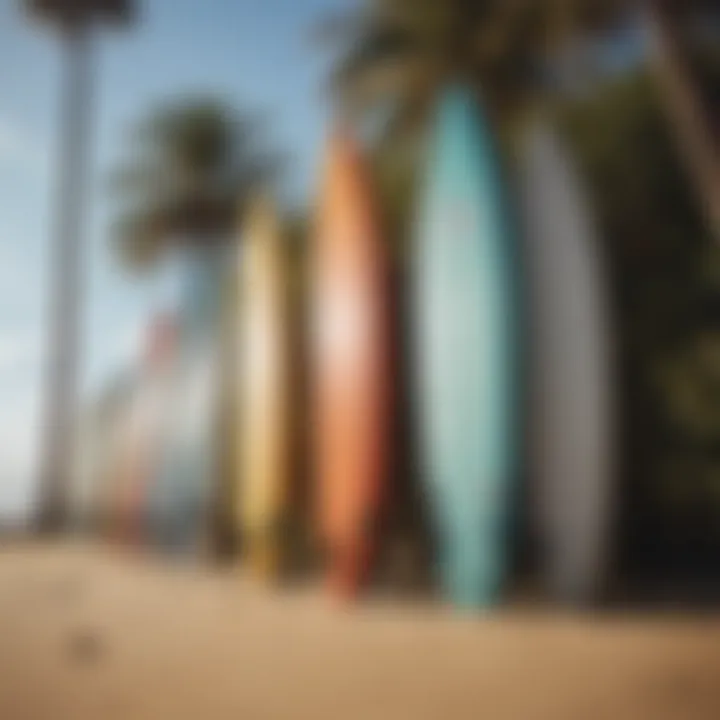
(465, 292)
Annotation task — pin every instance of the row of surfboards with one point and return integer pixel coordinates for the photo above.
(510, 363)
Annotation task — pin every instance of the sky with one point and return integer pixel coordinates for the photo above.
(258, 54)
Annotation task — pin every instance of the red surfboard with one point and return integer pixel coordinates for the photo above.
(350, 361)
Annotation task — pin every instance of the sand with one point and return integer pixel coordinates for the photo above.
(90, 633)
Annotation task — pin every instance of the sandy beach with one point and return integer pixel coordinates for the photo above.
(92, 633)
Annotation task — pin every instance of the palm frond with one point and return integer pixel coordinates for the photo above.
(63, 12)
(191, 164)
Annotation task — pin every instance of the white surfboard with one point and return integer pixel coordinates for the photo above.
(571, 446)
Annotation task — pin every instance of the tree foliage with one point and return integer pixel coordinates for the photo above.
(395, 54)
(666, 280)
(191, 167)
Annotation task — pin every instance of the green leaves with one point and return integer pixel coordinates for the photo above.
(71, 12)
(403, 50)
(666, 295)
(191, 166)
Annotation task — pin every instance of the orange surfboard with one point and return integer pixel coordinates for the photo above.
(350, 361)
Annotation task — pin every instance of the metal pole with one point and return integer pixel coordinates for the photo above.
(66, 288)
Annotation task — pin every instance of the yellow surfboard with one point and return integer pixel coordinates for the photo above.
(264, 422)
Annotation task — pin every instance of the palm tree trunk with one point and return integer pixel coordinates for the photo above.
(684, 109)
(65, 296)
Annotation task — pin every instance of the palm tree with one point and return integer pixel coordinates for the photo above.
(396, 54)
(687, 111)
(393, 56)
(73, 20)
(190, 167)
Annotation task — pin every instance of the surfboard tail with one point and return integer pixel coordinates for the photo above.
(265, 558)
(472, 573)
(349, 568)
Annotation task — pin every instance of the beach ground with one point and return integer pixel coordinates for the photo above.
(91, 633)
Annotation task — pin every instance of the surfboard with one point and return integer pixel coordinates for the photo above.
(96, 456)
(134, 467)
(152, 418)
(226, 518)
(87, 470)
(143, 428)
(111, 461)
(187, 475)
(465, 306)
(123, 474)
(264, 353)
(571, 389)
(350, 364)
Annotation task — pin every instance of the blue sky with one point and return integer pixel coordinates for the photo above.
(257, 53)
